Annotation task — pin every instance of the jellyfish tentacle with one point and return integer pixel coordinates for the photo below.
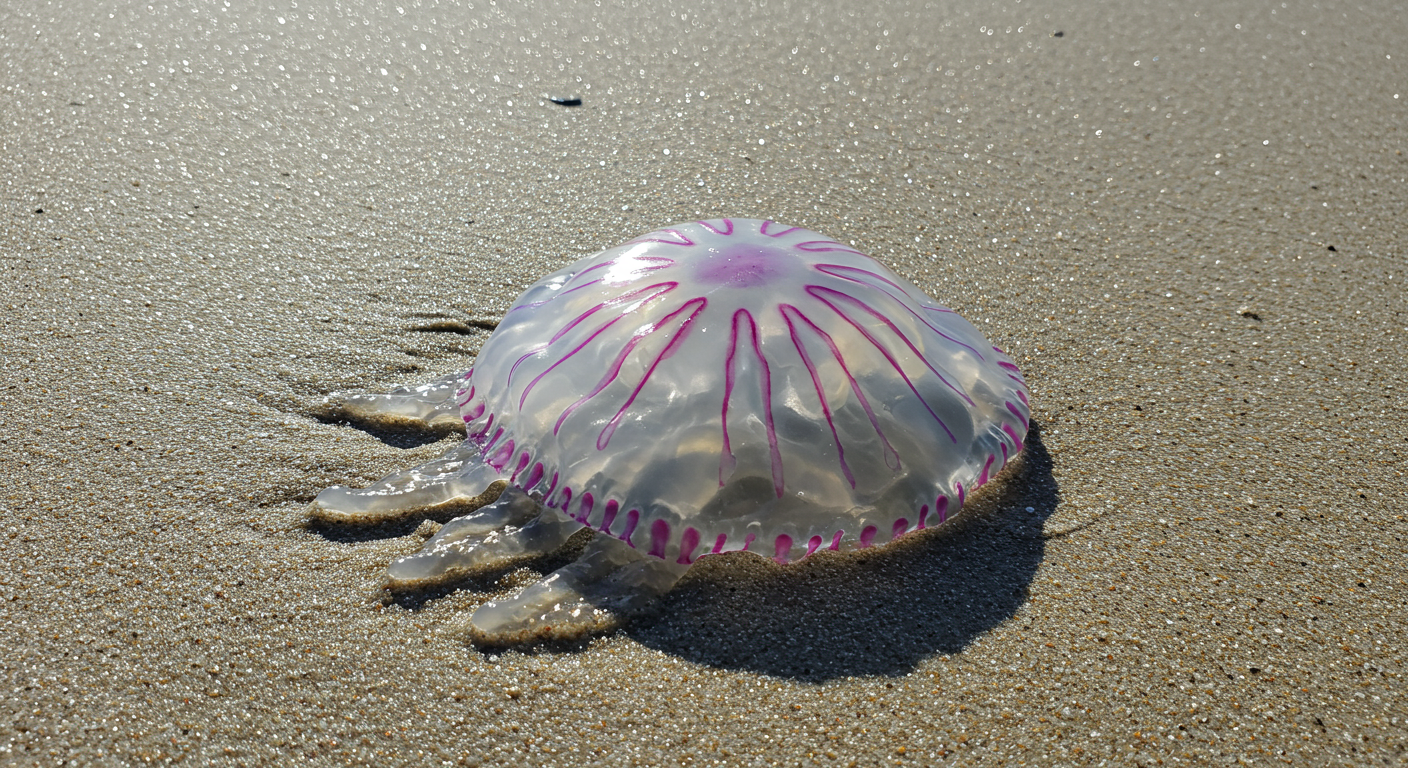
(458, 478)
(606, 585)
(512, 508)
(514, 528)
(432, 404)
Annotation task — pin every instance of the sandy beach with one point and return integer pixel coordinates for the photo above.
(1185, 222)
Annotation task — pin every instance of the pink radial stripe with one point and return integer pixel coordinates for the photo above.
(780, 547)
(566, 498)
(552, 486)
(489, 446)
(824, 246)
(667, 261)
(748, 541)
(835, 270)
(726, 459)
(522, 464)
(587, 342)
(632, 520)
(836, 541)
(943, 310)
(864, 307)
(983, 477)
(535, 476)
(659, 538)
(840, 270)
(765, 382)
(727, 230)
(617, 300)
(1009, 366)
(719, 543)
(614, 370)
(670, 348)
(688, 542)
(1022, 417)
(941, 509)
(638, 269)
(501, 456)
(578, 287)
(560, 293)
(961, 496)
(587, 271)
(664, 288)
(892, 457)
(895, 364)
(1023, 396)
(478, 435)
(1017, 443)
(585, 507)
(563, 290)
(820, 390)
(923, 516)
(867, 535)
(763, 229)
(897, 530)
(680, 238)
(609, 515)
(813, 544)
(475, 413)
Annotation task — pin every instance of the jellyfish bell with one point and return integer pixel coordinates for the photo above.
(708, 387)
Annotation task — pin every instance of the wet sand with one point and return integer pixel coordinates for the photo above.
(1185, 223)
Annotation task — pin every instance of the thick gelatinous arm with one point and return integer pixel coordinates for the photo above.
(459, 477)
(428, 405)
(595, 593)
(513, 528)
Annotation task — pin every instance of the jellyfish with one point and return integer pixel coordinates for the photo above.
(709, 387)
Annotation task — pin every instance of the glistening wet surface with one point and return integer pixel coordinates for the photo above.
(1185, 225)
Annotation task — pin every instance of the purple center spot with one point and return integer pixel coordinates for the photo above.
(744, 266)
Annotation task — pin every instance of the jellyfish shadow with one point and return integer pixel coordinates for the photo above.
(405, 435)
(875, 612)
